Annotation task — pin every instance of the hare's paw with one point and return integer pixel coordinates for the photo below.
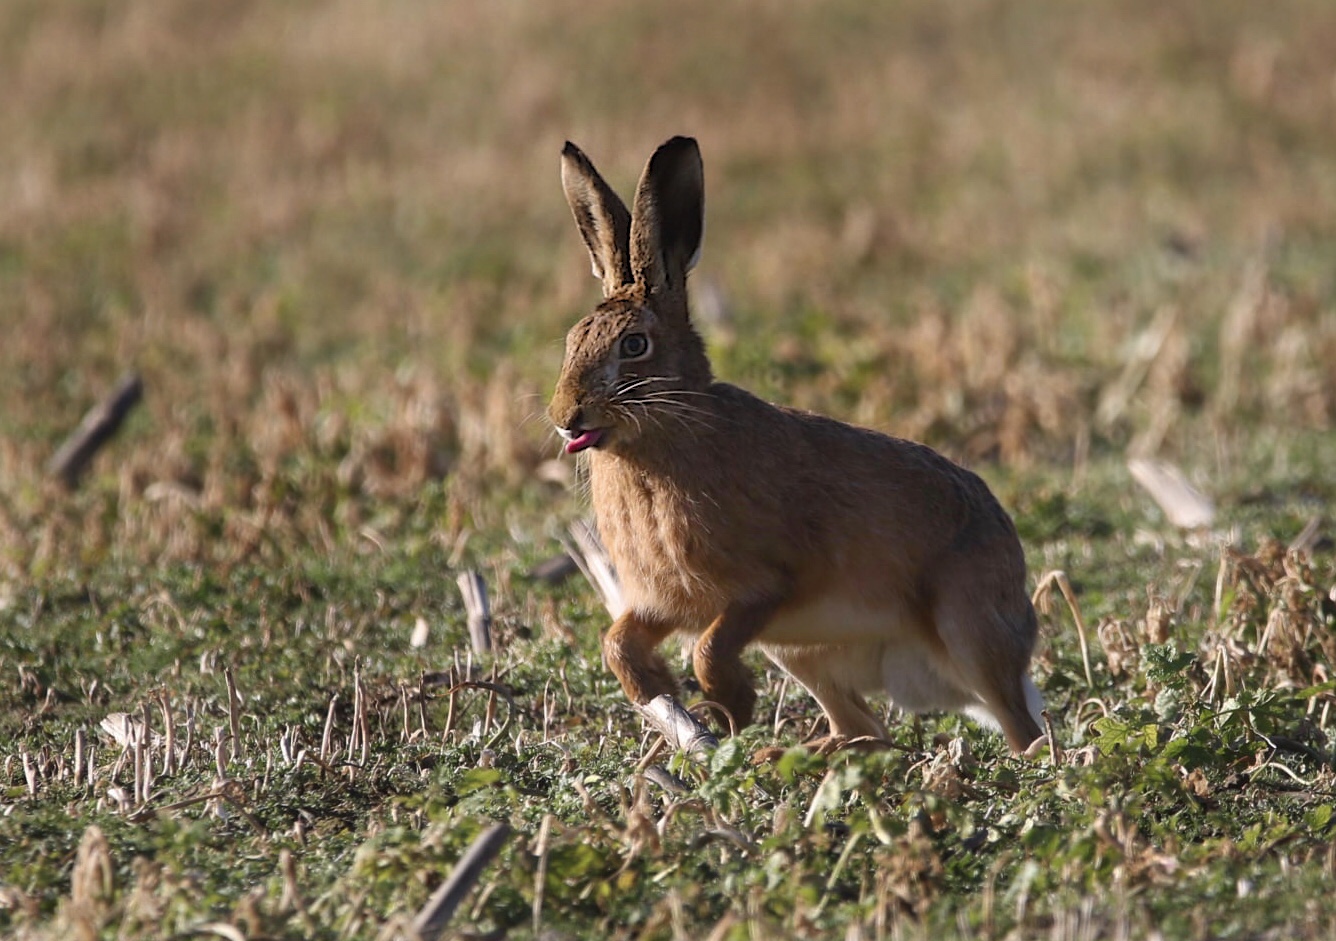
(830, 744)
(731, 707)
(824, 746)
(628, 649)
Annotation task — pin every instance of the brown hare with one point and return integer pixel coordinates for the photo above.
(856, 561)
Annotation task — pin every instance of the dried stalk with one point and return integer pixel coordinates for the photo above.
(555, 570)
(1308, 537)
(292, 898)
(479, 609)
(679, 727)
(593, 560)
(327, 739)
(97, 428)
(658, 774)
(220, 753)
(1059, 578)
(80, 745)
(540, 875)
(359, 715)
(233, 712)
(169, 734)
(422, 704)
(354, 736)
(1183, 504)
(435, 915)
(1054, 749)
(144, 758)
(1118, 395)
(189, 746)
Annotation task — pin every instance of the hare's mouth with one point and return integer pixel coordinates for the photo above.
(589, 438)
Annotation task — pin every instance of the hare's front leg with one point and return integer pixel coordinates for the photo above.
(717, 658)
(628, 649)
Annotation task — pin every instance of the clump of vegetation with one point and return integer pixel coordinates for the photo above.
(240, 697)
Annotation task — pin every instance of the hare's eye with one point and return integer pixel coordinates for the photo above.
(634, 346)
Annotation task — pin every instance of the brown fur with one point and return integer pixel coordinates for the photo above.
(857, 561)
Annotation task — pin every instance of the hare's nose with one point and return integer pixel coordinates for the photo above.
(573, 425)
(565, 412)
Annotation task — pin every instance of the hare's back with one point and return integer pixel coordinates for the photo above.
(858, 474)
(835, 480)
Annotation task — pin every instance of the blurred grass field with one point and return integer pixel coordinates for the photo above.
(1041, 237)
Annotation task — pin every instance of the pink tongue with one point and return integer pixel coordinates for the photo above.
(586, 440)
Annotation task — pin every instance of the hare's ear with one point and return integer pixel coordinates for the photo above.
(601, 216)
(668, 220)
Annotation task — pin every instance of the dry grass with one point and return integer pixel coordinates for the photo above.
(333, 230)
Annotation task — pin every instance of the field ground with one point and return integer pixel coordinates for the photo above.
(1041, 237)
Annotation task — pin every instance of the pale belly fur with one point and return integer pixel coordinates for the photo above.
(866, 650)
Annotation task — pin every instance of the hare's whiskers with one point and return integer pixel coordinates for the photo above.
(623, 409)
(632, 383)
(529, 418)
(685, 416)
(668, 401)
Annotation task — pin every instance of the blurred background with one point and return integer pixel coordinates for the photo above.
(331, 238)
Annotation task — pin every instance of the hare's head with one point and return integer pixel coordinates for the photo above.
(636, 359)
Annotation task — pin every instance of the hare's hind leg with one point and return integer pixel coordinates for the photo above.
(830, 681)
(990, 651)
(628, 650)
(1016, 711)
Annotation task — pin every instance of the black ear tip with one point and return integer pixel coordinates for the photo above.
(572, 153)
(677, 154)
(679, 144)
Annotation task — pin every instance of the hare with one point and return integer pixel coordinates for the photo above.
(856, 561)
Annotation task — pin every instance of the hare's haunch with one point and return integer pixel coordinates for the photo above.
(856, 561)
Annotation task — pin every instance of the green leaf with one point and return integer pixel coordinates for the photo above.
(477, 779)
(1318, 690)
(798, 761)
(1164, 665)
(728, 757)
